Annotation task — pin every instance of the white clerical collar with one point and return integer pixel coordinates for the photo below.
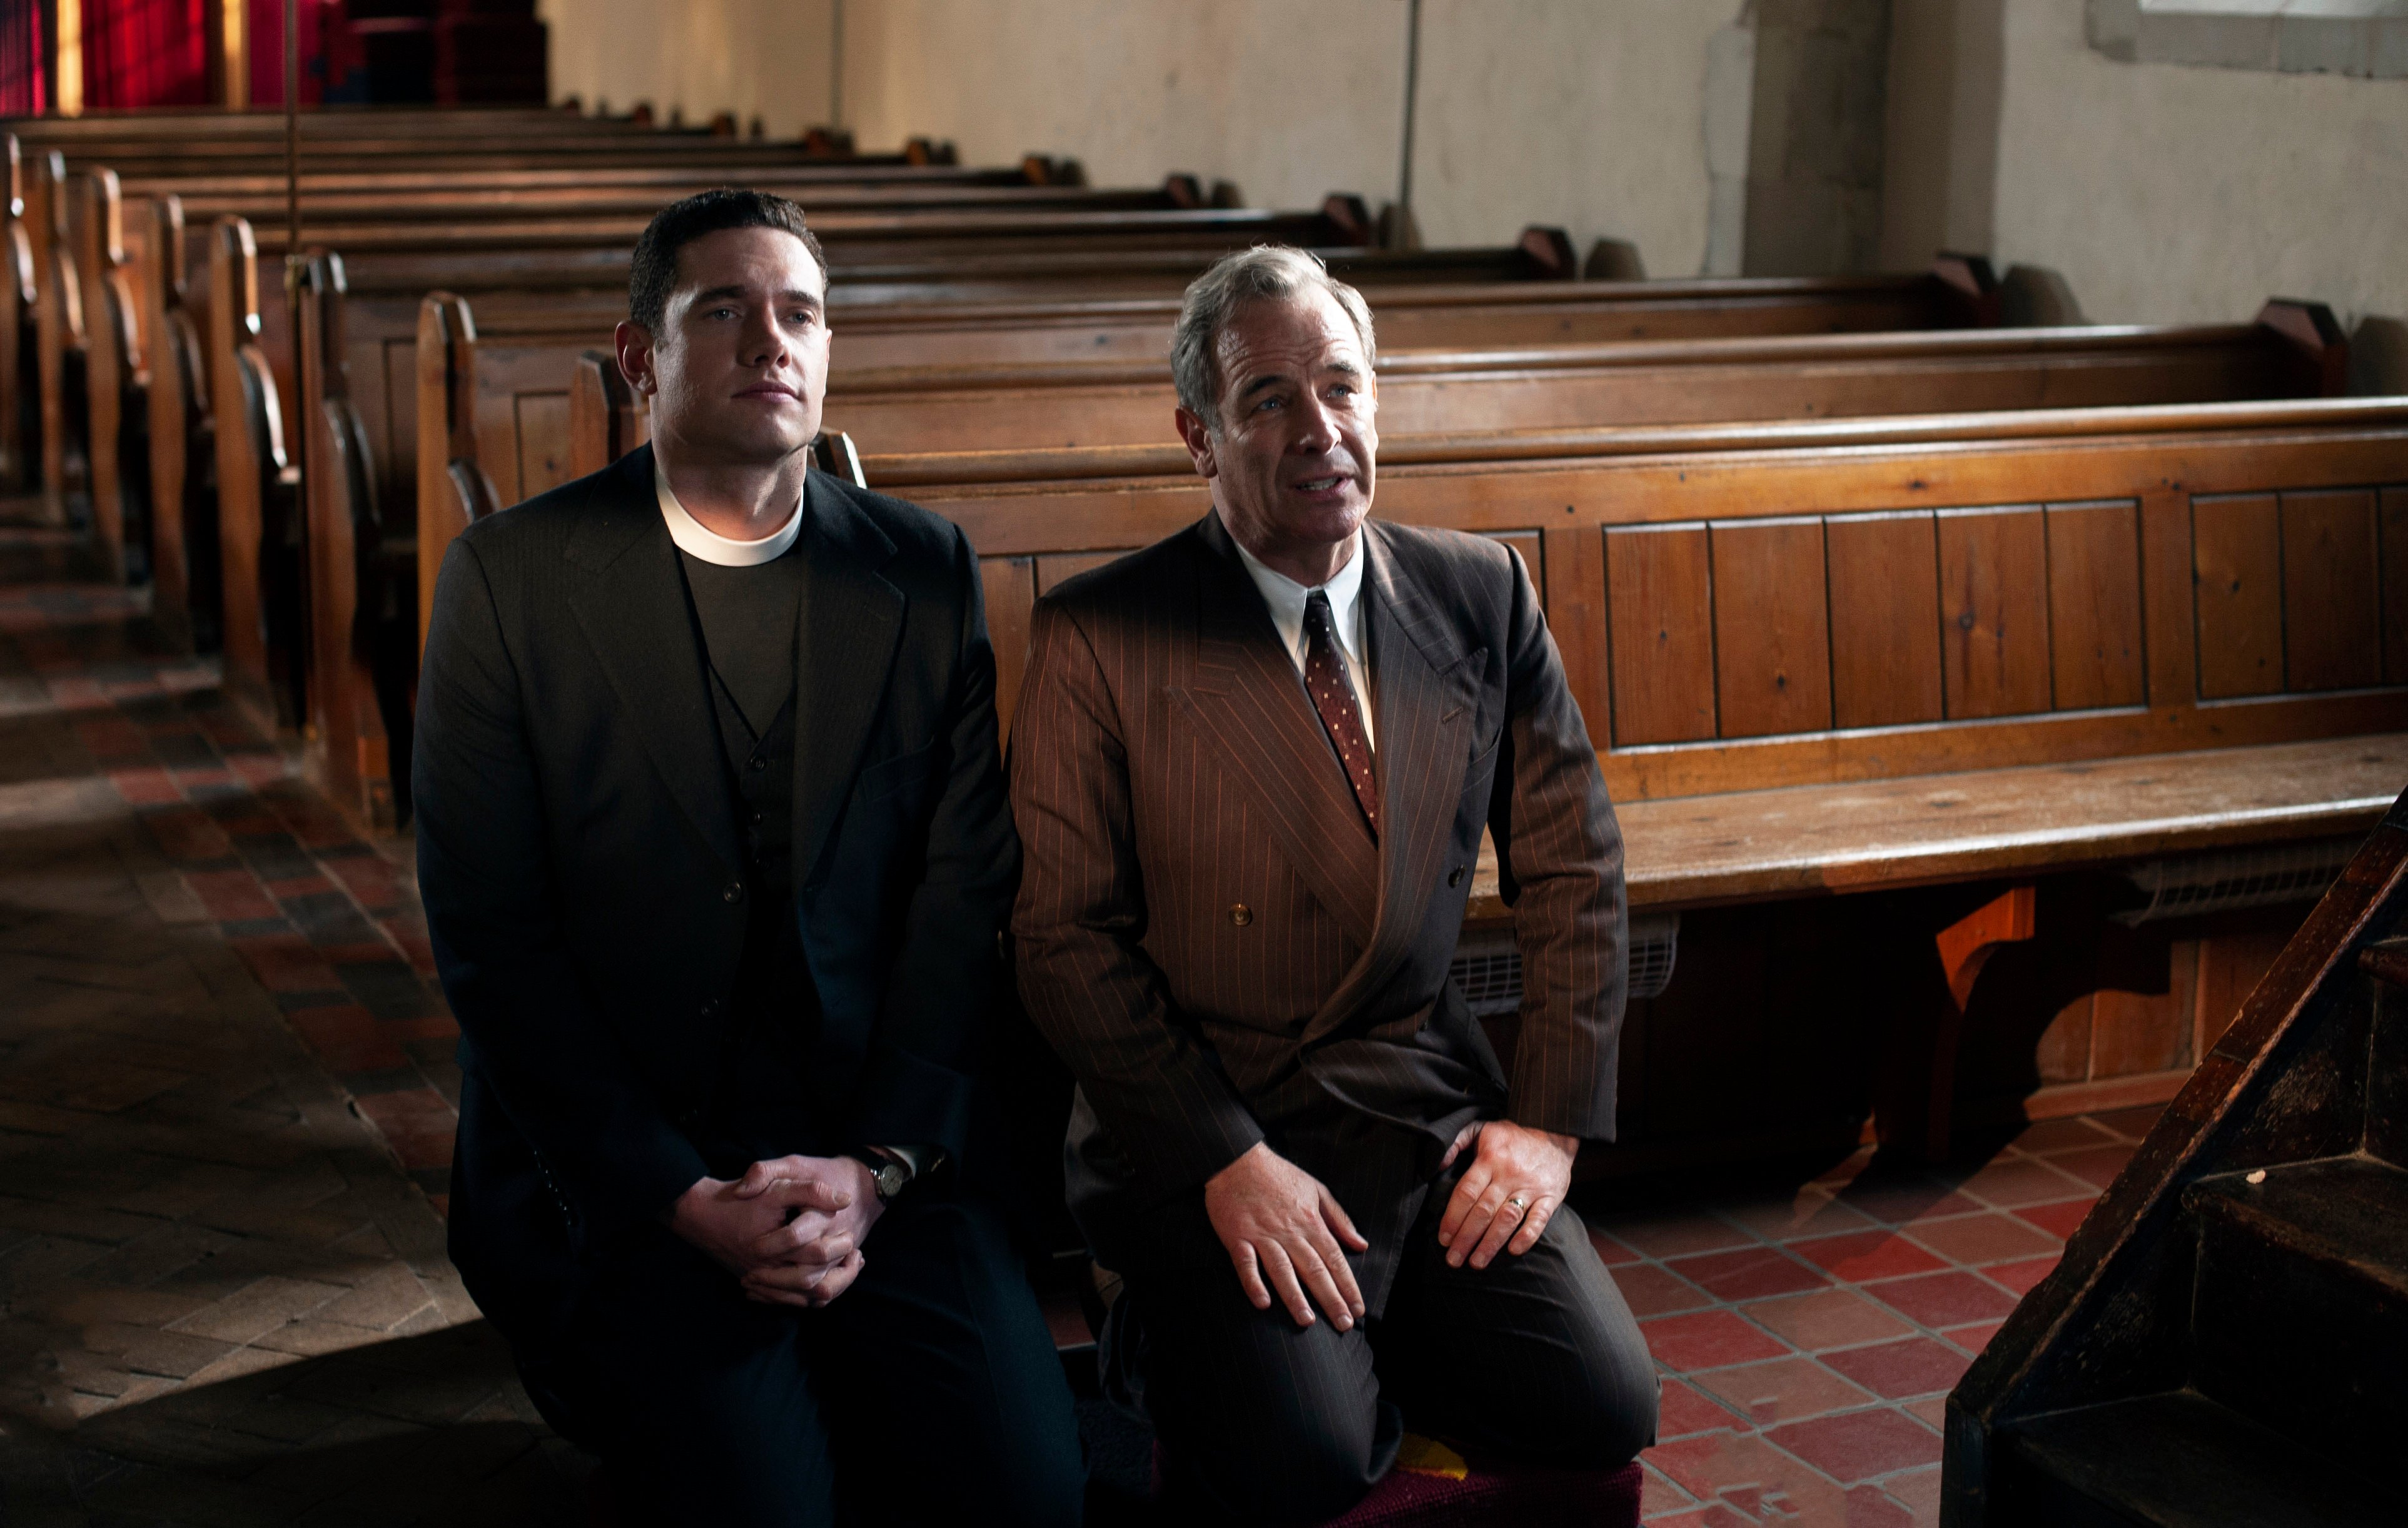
(697, 539)
(1286, 599)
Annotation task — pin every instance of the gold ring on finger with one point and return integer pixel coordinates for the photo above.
(1519, 1203)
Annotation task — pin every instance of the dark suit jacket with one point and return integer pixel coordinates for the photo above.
(579, 857)
(1168, 768)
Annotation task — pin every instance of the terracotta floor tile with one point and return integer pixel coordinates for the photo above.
(1610, 1251)
(2059, 1220)
(1974, 1337)
(1917, 1490)
(1712, 1515)
(1748, 1273)
(2023, 1277)
(2132, 1123)
(2045, 1135)
(230, 895)
(1788, 1218)
(1835, 1317)
(1902, 1202)
(1782, 1390)
(145, 787)
(1653, 1290)
(1978, 1239)
(1707, 1339)
(1659, 1495)
(2013, 1181)
(1944, 1299)
(2098, 1166)
(1761, 1482)
(1684, 1410)
(1860, 1444)
(1675, 1236)
(1867, 1254)
(1895, 1370)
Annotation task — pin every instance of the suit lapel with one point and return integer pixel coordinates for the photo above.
(632, 606)
(1247, 700)
(853, 622)
(1424, 683)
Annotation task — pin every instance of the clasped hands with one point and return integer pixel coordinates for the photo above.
(790, 1230)
(1287, 1234)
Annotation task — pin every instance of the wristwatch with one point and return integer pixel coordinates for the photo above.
(890, 1173)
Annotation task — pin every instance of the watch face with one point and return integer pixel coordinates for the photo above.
(891, 1178)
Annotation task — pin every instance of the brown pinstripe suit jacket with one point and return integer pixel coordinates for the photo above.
(1167, 767)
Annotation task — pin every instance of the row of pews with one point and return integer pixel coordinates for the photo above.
(1954, 683)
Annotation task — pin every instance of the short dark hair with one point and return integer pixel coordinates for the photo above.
(654, 275)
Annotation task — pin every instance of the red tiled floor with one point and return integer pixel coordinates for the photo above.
(1684, 1410)
(1789, 1217)
(299, 886)
(348, 1038)
(231, 897)
(1675, 1236)
(144, 787)
(1860, 1444)
(1933, 1411)
(1610, 1251)
(186, 833)
(1900, 1204)
(2132, 1123)
(2098, 1166)
(1973, 1337)
(2024, 1277)
(285, 963)
(1651, 1290)
(2057, 1220)
(1895, 1370)
(1827, 1319)
(2062, 1134)
(1762, 1483)
(2013, 1181)
(1867, 1254)
(1782, 1390)
(1748, 1273)
(1659, 1495)
(1712, 1515)
(1978, 1239)
(1707, 1339)
(1917, 1490)
(1944, 1299)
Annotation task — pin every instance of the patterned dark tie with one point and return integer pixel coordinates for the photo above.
(1333, 696)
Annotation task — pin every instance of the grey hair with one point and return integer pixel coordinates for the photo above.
(1267, 270)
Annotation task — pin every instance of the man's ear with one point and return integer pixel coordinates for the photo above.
(1198, 438)
(633, 344)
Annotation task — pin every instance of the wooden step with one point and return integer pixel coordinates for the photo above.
(2176, 1459)
(2300, 1314)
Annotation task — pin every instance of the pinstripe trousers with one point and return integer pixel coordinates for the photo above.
(1534, 1358)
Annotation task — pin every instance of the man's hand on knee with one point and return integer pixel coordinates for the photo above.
(790, 1229)
(1284, 1231)
(1505, 1198)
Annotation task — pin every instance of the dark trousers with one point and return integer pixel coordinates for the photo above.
(926, 1394)
(1534, 1358)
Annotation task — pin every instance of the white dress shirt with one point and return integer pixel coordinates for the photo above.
(697, 539)
(1287, 597)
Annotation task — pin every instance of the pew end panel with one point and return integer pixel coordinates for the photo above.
(184, 599)
(260, 525)
(59, 330)
(21, 384)
(448, 501)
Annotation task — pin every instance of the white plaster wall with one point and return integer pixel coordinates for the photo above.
(1582, 113)
(2170, 194)
(1288, 100)
(764, 58)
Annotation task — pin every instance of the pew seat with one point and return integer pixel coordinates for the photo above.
(1883, 835)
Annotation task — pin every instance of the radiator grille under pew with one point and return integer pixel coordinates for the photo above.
(1488, 968)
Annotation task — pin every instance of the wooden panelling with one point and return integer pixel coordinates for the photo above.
(2135, 1033)
(2237, 567)
(1054, 568)
(2331, 626)
(1575, 592)
(1011, 589)
(2063, 1052)
(2093, 605)
(2230, 965)
(543, 442)
(1529, 546)
(1884, 597)
(2394, 532)
(1659, 592)
(1994, 612)
(2170, 635)
(1773, 635)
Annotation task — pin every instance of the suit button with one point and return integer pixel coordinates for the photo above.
(735, 892)
(1455, 876)
(1241, 914)
(760, 764)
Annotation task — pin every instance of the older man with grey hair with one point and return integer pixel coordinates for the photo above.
(1251, 767)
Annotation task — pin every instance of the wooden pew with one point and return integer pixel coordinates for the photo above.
(1854, 682)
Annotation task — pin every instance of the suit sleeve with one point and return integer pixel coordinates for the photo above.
(495, 918)
(1560, 863)
(945, 989)
(1086, 980)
